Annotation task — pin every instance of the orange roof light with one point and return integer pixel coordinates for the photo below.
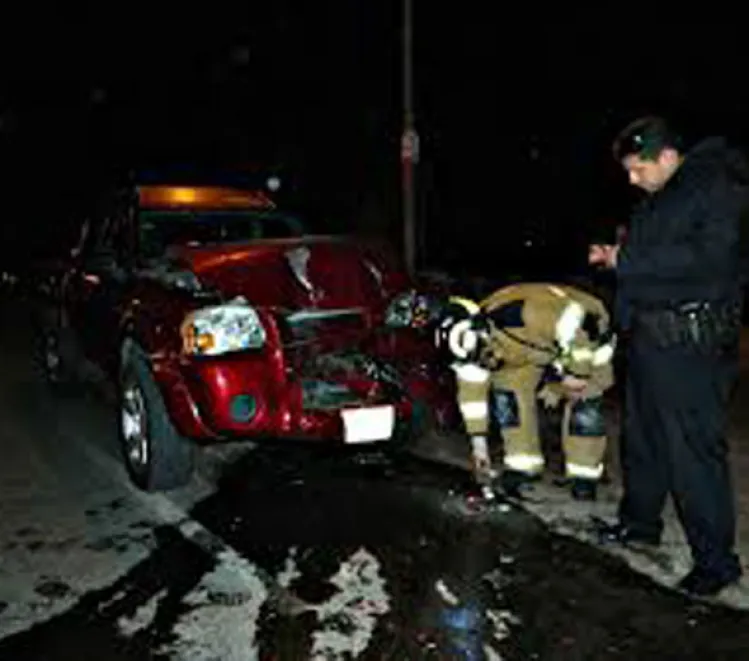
(201, 197)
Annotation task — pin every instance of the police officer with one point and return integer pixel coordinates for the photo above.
(679, 283)
(526, 342)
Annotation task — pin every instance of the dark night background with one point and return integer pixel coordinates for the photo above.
(515, 116)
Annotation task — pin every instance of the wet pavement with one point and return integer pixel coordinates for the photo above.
(294, 553)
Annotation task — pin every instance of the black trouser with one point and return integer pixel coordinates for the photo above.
(676, 411)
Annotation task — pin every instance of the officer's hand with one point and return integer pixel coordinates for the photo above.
(604, 255)
(597, 254)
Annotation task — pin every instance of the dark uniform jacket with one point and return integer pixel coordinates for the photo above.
(688, 242)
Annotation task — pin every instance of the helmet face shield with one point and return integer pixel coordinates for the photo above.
(463, 339)
(461, 330)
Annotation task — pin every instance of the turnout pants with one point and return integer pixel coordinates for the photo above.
(676, 406)
(512, 396)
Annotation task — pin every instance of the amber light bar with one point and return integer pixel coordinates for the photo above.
(201, 197)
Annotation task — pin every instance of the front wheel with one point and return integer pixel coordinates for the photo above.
(156, 456)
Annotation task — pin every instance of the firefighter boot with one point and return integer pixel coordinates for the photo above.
(584, 445)
(582, 489)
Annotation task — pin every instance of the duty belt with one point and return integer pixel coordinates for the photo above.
(703, 326)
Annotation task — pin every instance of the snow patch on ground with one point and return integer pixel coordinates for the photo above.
(665, 565)
(349, 616)
(230, 625)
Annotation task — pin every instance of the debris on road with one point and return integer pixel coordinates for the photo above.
(445, 593)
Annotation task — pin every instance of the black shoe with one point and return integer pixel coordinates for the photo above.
(584, 490)
(620, 533)
(701, 583)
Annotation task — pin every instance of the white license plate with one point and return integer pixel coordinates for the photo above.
(368, 425)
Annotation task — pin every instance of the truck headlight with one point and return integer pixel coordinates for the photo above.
(221, 329)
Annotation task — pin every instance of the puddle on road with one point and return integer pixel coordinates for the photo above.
(375, 564)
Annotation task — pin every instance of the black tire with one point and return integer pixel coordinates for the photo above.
(169, 458)
(408, 432)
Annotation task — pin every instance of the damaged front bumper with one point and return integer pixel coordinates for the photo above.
(344, 397)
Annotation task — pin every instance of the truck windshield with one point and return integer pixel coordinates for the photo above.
(158, 230)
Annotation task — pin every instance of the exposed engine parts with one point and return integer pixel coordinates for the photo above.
(351, 365)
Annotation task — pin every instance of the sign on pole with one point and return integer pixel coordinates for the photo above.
(410, 146)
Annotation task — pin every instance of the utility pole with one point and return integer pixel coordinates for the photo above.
(409, 143)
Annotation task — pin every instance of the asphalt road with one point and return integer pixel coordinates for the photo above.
(285, 553)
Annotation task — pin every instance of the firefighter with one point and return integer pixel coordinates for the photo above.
(529, 342)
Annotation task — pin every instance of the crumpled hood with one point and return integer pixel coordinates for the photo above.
(319, 272)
